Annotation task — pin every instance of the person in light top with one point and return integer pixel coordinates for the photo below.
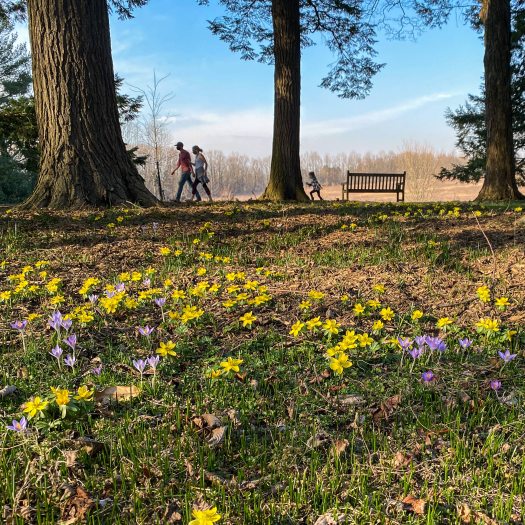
(185, 165)
(315, 185)
(201, 172)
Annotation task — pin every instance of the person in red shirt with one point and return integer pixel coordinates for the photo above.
(186, 168)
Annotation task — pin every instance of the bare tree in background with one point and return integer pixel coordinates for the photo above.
(156, 137)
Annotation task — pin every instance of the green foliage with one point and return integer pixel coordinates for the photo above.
(469, 120)
(342, 25)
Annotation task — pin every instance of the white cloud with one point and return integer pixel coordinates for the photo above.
(250, 130)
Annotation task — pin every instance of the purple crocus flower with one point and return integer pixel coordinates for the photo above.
(93, 298)
(55, 321)
(109, 294)
(97, 370)
(161, 301)
(67, 324)
(435, 343)
(18, 426)
(120, 287)
(146, 283)
(153, 361)
(507, 356)
(140, 365)
(404, 343)
(495, 384)
(56, 352)
(146, 331)
(70, 360)
(465, 343)
(420, 340)
(155, 226)
(19, 325)
(427, 376)
(416, 352)
(71, 341)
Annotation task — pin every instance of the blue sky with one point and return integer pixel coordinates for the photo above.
(222, 102)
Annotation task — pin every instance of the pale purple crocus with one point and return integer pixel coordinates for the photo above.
(18, 426)
(57, 353)
(55, 321)
(19, 325)
(153, 361)
(93, 298)
(495, 384)
(507, 356)
(465, 343)
(415, 352)
(420, 340)
(66, 324)
(436, 343)
(70, 360)
(404, 343)
(120, 287)
(161, 301)
(155, 226)
(71, 341)
(109, 294)
(140, 365)
(427, 376)
(146, 331)
(146, 283)
(97, 370)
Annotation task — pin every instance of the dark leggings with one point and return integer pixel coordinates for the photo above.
(204, 185)
(318, 193)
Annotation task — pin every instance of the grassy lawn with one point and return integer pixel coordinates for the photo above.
(318, 364)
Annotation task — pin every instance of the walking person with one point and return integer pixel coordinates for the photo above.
(201, 172)
(186, 168)
(315, 185)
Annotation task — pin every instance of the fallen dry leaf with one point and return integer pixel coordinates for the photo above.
(76, 507)
(212, 428)
(329, 519)
(318, 440)
(415, 505)
(339, 446)
(172, 514)
(386, 409)
(116, 393)
(351, 400)
(71, 457)
(402, 460)
(7, 390)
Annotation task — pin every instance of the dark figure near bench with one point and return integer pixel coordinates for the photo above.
(316, 187)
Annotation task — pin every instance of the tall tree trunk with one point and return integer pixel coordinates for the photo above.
(286, 182)
(83, 156)
(500, 172)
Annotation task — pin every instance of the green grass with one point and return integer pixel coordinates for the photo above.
(451, 443)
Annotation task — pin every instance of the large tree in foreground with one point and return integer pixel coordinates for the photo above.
(83, 156)
(275, 31)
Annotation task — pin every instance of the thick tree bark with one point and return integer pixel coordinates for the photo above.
(286, 182)
(83, 157)
(500, 173)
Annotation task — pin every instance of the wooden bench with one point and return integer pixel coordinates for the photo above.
(375, 183)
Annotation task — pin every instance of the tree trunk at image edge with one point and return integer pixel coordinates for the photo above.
(83, 156)
(286, 182)
(500, 174)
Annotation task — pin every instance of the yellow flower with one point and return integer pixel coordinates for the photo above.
(483, 293)
(85, 317)
(230, 276)
(205, 517)
(316, 296)
(251, 285)
(57, 299)
(364, 340)
(120, 218)
(35, 406)
(32, 317)
(378, 325)
(379, 288)
(61, 396)
(417, 314)
(41, 264)
(502, 303)
(201, 271)
(359, 309)
(178, 294)
(345, 298)
(488, 325)
(247, 319)
(136, 276)
(314, 323)
(518, 209)
(338, 364)
(331, 326)
(443, 322)
(231, 364)
(387, 314)
(166, 349)
(5, 295)
(373, 303)
(84, 393)
(305, 305)
(214, 374)
(229, 303)
(296, 328)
